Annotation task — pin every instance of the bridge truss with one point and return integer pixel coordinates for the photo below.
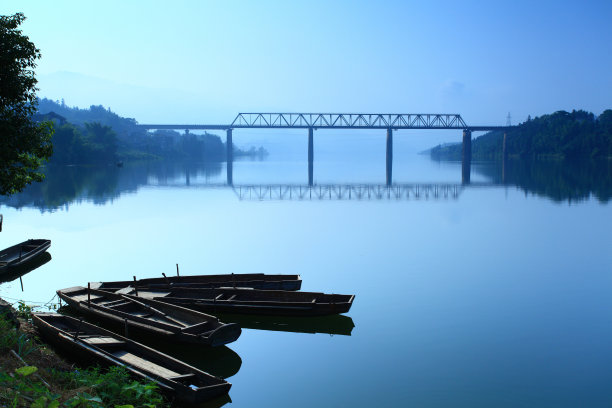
(393, 121)
(348, 121)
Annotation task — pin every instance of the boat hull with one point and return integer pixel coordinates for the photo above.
(244, 280)
(252, 301)
(90, 344)
(22, 254)
(172, 322)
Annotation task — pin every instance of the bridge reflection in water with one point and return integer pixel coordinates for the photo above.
(347, 191)
(337, 191)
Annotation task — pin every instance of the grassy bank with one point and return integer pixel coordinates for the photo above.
(33, 375)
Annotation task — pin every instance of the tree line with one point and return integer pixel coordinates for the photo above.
(565, 135)
(98, 135)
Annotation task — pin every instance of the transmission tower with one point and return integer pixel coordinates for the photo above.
(509, 120)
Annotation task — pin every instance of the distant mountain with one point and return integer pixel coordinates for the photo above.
(572, 135)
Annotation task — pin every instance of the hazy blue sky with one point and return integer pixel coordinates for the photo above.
(201, 61)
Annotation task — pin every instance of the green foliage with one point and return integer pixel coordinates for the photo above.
(24, 311)
(27, 370)
(571, 135)
(8, 334)
(94, 390)
(25, 345)
(111, 388)
(96, 143)
(45, 402)
(24, 145)
(20, 387)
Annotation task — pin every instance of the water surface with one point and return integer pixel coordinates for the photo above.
(498, 295)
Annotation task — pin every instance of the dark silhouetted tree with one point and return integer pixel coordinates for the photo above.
(24, 144)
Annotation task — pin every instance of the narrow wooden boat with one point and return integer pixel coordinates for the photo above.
(252, 301)
(173, 322)
(22, 253)
(92, 344)
(242, 280)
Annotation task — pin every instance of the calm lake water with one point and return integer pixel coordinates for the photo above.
(495, 294)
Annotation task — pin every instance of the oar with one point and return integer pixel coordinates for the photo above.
(155, 311)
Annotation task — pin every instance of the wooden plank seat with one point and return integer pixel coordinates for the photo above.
(143, 364)
(102, 340)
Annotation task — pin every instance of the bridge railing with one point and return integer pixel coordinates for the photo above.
(349, 120)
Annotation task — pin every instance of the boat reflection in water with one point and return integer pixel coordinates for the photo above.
(26, 267)
(219, 361)
(213, 403)
(333, 324)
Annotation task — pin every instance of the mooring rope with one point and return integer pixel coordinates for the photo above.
(15, 301)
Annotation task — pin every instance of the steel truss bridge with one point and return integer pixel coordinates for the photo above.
(313, 121)
(393, 121)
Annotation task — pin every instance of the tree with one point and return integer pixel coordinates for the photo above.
(102, 140)
(24, 144)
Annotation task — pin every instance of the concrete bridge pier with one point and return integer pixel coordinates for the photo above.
(389, 156)
(466, 156)
(229, 147)
(310, 156)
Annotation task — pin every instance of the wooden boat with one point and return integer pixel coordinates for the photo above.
(242, 280)
(93, 344)
(175, 323)
(252, 301)
(22, 253)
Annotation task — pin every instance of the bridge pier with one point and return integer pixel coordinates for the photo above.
(310, 155)
(389, 156)
(466, 156)
(229, 147)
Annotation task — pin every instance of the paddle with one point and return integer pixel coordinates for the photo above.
(154, 311)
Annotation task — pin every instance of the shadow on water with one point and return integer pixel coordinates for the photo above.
(219, 361)
(559, 180)
(26, 267)
(335, 324)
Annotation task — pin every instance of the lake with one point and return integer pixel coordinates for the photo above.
(497, 293)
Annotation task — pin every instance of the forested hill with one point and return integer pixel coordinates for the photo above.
(98, 135)
(123, 127)
(571, 135)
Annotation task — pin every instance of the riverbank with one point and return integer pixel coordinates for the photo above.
(34, 375)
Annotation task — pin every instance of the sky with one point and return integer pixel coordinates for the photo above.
(205, 61)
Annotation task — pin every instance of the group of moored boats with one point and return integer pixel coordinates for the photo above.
(176, 309)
